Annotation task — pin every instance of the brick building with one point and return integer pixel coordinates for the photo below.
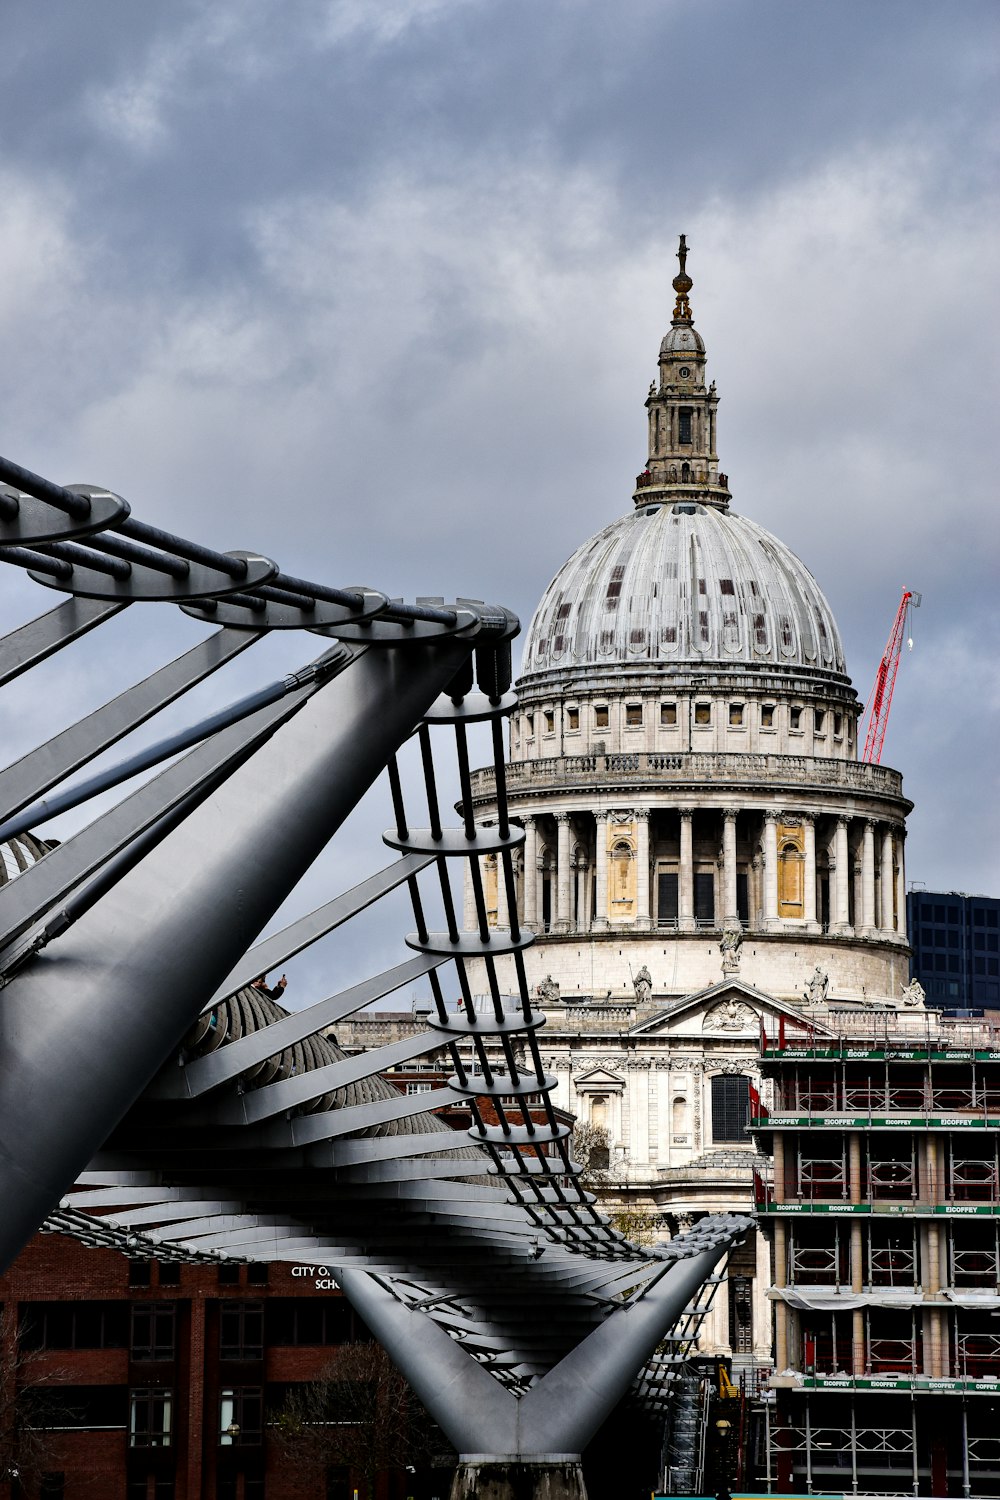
(158, 1377)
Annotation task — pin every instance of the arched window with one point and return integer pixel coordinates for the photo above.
(730, 1107)
(685, 473)
(678, 1115)
(621, 860)
(791, 880)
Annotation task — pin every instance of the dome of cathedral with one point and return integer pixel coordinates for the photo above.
(683, 583)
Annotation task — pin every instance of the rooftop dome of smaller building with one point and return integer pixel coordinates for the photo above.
(682, 338)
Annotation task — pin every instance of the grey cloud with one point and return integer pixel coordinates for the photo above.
(384, 301)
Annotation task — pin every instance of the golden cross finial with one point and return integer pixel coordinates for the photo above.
(682, 284)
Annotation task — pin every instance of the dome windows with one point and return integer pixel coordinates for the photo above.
(767, 716)
(736, 715)
(668, 715)
(601, 716)
(633, 715)
(572, 720)
(703, 713)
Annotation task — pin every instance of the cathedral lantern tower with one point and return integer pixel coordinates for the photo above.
(682, 413)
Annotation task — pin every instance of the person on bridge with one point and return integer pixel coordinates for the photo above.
(260, 983)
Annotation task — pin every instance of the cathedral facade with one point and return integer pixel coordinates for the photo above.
(702, 848)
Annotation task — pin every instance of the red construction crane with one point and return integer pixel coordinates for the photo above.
(880, 698)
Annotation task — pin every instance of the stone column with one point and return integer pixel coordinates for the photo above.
(642, 867)
(503, 913)
(561, 913)
(887, 884)
(686, 883)
(730, 914)
(868, 878)
(780, 1308)
(601, 895)
(530, 896)
(900, 885)
(770, 869)
(809, 884)
(640, 1114)
(469, 921)
(842, 876)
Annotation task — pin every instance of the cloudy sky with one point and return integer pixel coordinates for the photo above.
(376, 287)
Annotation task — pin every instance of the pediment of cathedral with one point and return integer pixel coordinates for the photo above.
(599, 1078)
(730, 1009)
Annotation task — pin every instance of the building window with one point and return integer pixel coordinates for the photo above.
(791, 879)
(241, 1330)
(529, 724)
(257, 1273)
(419, 1088)
(169, 1273)
(730, 1107)
(767, 716)
(819, 720)
(666, 898)
(550, 721)
(337, 1483)
(154, 1330)
(73, 1325)
(229, 1273)
(703, 713)
(684, 425)
(601, 717)
(150, 1417)
(704, 899)
(633, 715)
(241, 1414)
(741, 1314)
(572, 719)
(736, 714)
(838, 725)
(795, 718)
(668, 715)
(140, 1273)
(306, 1322)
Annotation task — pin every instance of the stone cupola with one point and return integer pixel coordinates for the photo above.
(683, 463)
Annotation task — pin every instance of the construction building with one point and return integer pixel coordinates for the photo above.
(883, 1212)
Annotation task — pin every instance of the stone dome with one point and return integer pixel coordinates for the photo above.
(687, 584)
(682, 338)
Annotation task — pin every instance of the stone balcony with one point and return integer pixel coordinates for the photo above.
(776, 775)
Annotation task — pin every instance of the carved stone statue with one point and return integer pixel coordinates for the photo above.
(732, 1016)
(643, 985)
(818, 987)
(913, 995)
(731, 949)
(548, 991)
